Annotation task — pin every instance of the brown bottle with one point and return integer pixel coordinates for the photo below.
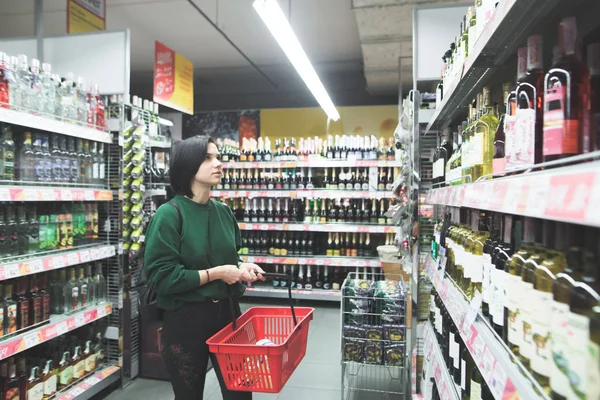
(10, 309)
(10, 385)
(35, 302)
(43, 291)
(567, 99)
(35, 386)
(23, 305)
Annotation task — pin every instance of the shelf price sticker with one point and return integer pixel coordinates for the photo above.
(80, 320)
(73, 258)
(76, 391)
(11, 271)
(85, 256)
(62, 328)
(472, 311)
(93, 380)
(36, 266)
(102, 312)
(570, 196)
(32, 340)
(5, 194)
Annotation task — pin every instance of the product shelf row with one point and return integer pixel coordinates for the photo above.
(304, 194)
(299, 227)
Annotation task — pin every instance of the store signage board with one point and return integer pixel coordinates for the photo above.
(173, 79)
(86, 16)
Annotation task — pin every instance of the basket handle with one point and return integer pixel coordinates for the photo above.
(288, 278)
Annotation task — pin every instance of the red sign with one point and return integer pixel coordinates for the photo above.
(173, 79)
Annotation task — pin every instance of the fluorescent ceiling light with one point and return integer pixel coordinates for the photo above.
(280, 28)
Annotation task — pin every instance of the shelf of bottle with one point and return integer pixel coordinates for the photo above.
(282, 293)
(316, 163)
(304, 194)
(568, 194)
(504, 374)
(51, 125)
(433, 353)
(317, 260)
(15, 267)
(58, 325)
(503, 33)
(162, 144)
(318, 227)
(91, 385)
(50, 193)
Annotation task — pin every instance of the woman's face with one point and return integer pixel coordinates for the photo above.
(210, 171)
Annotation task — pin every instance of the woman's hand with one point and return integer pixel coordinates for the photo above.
(229, 274)
(253, 271)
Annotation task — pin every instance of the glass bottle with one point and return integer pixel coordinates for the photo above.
(56, 159)
(35, 386)
(567, 99)
(100, 284)
(26, 161)
(10, 309)
(78, 363)
(530, 110)
(71, 293)
(7, 153)
(75, 169)
(65, 371)
(82, 283)
(89, 357)
(35, 302)
(48, 164)
(593, 56)
(23, 305)
(45, 295)
(39, 167)
(48, 90)
(482, 146)
(57, 300)
(10, 385)
(49, 379)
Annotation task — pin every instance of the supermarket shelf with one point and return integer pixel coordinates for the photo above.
(300, 227)
(52, 193)
(500, 38)
(91, 385)
(58, 325)
(17, 267)
(324, 295)
(303, 194)
(163, 144)
(567, 194)
(504, 374)
(317, 163)
(433, 352)
(154, 192)
(318, 260)
(51, 125)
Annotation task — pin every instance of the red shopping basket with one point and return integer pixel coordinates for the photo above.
(251, 368)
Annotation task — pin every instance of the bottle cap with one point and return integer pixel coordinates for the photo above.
(535, 59)
(522, 63)
(22, 60)
(35, 63)
(46, 67)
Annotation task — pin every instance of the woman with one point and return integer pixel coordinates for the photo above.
(191, 262)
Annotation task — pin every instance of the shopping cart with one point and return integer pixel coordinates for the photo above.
(249, 367)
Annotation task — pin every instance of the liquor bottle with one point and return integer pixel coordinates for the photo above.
(7, 153)
(65, 371)
(300, 282)
(381, 220)
(583, 356)
(11, 245)
(35, 386)
(506, 122)
(567, 99)
(330, 245)
(10, 385)
(49, 379)
(23, 304)
(89, 357)
(75, 170)
(25, 159)
(326, 279)
(334, 184)
(336, 245)
(71, 293)
(82, 283)
(482, 145)
(10, 310)
(559, 323)
(335, 284)
(78, 363)
(35, 302)
(99, 351)
(593, 57)
(309, 279)
(528, 134)
(45, 296)
(309, 183)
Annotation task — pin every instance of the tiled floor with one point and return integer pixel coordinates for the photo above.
(318, 377)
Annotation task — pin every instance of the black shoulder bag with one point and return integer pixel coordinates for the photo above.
(147, 297)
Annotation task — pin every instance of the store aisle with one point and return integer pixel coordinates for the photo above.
(317, 377)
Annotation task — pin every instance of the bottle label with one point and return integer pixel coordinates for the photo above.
(476, 149)
(542, 315)
(37, 310)
(561, 136)
(577, 358)
(12, 394)
(66, 376)
(523, 152)
(101, 172)
(475, 390)
(486, 268)
(499, 278)
(593, 390)
(559, 381)
(476, 269)
(514, 299)
(24, 311)
(11, 312)
(36, 392)
(463, 374)
(75, 297)
(50, 385)
(79, 369)
(527, 348)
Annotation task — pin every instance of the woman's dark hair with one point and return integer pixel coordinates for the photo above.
(187, 157)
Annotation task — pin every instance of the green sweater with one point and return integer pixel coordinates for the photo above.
(210, 237)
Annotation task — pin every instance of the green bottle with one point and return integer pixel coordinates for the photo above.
(43, 233)
(7, 153)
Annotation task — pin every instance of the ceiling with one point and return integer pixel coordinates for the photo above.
(367, 37)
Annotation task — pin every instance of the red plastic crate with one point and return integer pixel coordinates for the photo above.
(250, 368)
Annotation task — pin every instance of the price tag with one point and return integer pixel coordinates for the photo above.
(66, 195)
(36, 266)
(31, 194)
(59, 261)
(11, 271)
(487, 364)
(61, 328)
(471, 314)
(73, 258)
(101, 312)
(85, 256)
(89, 195)
(80, 320)
(5, 194)
(111, 249)
(32, 340)
(76, 391)
(92, 380)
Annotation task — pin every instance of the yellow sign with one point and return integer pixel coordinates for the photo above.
(86, 16)
(173, 80)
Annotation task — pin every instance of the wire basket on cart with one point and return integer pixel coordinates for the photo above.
(374, 353)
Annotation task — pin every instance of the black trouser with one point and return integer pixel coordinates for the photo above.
(184, 349)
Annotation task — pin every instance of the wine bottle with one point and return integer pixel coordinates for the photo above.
(330, 245)
(323, 215)
(381, 220)
(326, 184)
(336, 245)
(301, 282)
(307, 212)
